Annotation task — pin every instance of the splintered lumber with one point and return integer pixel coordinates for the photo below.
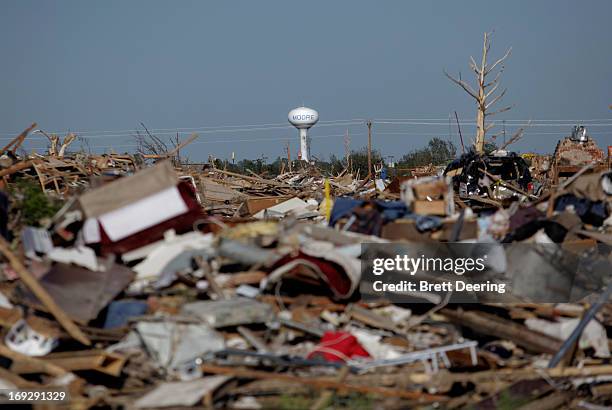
(491, 325)
(32, 362)
(505, 183)
(326, 396)
(17, 167)
(254, 179)
(30, 281)
(601, 390)
(529, 373)
(17, 380)
(18, 140)
(176, 149)
(98, 360)
(550, 402)
(321, 383)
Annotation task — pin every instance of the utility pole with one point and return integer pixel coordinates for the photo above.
(289, 157)
(460, 135)
(369, 123)
(347, 149)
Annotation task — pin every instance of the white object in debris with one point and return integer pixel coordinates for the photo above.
(314, 204)
(6, 385)
(176, 345)
(130, 342)
(25, 340)
(81, 255)
(606, 183)
(143, 214)
(91, 231)
(380, 184)
(291, 206)
(246, 403)
(398, 315)
(372, 343)
(169, 236)
(541, 237)
(168, 250)
(247, 291)
(4, 302)
(180, 393)
(594, 334)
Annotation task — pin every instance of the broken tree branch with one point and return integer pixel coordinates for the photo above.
(463, 85)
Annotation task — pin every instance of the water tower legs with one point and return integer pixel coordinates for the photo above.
(304, 147)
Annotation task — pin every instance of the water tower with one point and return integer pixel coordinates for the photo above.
(303, 118)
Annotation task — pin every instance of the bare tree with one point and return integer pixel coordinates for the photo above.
(149, 144)
(485, 95)
(55, 141)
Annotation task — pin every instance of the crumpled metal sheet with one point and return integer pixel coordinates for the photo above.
(83, 293)
(187, 393)
(229, 312)
(174, 345)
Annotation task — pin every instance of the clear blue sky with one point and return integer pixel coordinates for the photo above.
(107, 65)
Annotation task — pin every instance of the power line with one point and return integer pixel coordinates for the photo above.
(214, 131)
(203, 128)
(268, 126)
(507, 120)
(526, 124)
(211, 131)
(221, 141)
(424, 134)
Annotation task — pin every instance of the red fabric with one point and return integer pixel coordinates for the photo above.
(332, 273)
(343, 343)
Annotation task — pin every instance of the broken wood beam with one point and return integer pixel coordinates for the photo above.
(327, 395)
(510, 374)
(492, 325)
(254, 179)
(506, 183)
(97, 360)
(18, 167)
(18, 140)
(322, 383)
(32, 362)
(32, 283)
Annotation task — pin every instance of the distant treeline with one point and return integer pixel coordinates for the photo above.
(436, 152)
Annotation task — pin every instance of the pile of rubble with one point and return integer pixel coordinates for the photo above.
(170, 285)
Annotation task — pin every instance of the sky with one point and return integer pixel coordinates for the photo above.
(231, 70)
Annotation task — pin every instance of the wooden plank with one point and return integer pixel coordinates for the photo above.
(98, 360)
(327, 395)
(322, 383)
(424, 207)
(254, 179)
(31, 362)
(489, 324)
(18, 140)
(18, 167)
(433, 190)
(528, 373)
(255, 205)
(30, 281)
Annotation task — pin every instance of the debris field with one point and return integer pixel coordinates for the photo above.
(134, 282)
